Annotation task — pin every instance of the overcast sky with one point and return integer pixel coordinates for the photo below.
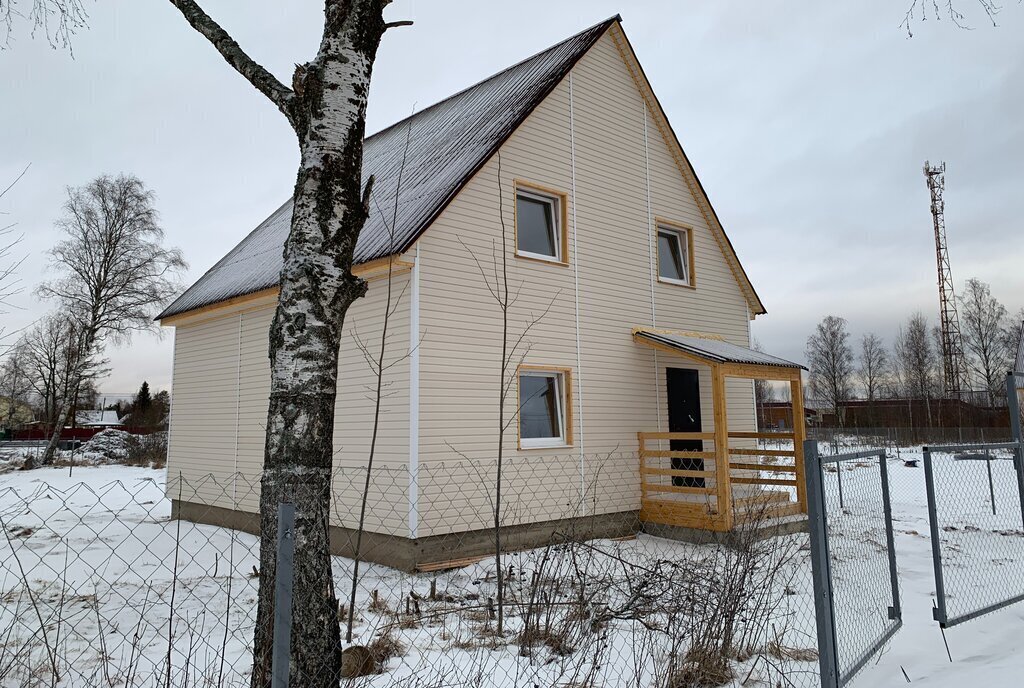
(808, 129)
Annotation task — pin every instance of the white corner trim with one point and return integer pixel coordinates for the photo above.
(652, 236)
(414, 396)
(576, 293)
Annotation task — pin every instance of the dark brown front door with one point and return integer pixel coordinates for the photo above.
(683, 387)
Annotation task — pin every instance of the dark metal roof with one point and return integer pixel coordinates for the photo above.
(715, 350)
(448, 142)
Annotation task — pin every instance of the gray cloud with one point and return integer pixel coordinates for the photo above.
(808, 128)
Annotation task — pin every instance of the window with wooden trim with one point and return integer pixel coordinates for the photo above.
(544, 407)
(540, 223)
(675, 259)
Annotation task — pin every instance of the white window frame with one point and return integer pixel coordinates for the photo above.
(553, 203)
(683, 242)
(545, 442)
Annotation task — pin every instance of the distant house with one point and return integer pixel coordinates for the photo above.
(98, 419)
(634, 395)
(778, 415)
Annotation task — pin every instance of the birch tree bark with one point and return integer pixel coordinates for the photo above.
(326, 106)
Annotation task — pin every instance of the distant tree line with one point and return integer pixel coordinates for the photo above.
(841, 370)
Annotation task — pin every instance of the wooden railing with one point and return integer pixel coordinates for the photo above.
(689, 506)
(752, 472)
(716, 504)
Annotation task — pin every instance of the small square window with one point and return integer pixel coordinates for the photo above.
(541, 409)
(673, 255)
(538, 225)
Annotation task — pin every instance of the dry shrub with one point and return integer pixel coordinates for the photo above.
(148, 450)
(378, 604)
(384, 648)
(701, 669)
(797, 654)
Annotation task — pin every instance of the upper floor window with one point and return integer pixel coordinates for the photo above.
(675, 255)
(540, 224)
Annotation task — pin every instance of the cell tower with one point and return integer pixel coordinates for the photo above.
(953, 362)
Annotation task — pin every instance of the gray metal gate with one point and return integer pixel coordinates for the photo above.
(853, 559)
(976, 519)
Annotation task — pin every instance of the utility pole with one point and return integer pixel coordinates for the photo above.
(953, 361)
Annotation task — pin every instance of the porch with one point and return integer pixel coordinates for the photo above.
(718, 479)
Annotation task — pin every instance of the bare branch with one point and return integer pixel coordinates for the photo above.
(264, 82)
(921, 10)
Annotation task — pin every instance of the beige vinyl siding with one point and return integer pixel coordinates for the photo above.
(622, 382)
(222, 381)
(618, 384)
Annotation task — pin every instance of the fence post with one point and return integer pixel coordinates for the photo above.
(281, 656)
(895, 612)
(820, 567)
(1013, 408)
(933, 526)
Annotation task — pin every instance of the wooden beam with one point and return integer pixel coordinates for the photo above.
(760, 372)
(678, 454)
(372, 270)
(799, 435)
(761, 435)
(681, 489)
(679, 473)
(672, 350)
(762, 452)
(681, 333)
(676, 435)
(724, 487)
(768, 468)
(764, 481)
(237, 304)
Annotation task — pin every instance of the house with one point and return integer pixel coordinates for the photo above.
(634, 382)
(778, 415)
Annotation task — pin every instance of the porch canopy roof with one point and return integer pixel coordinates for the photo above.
(732, 359)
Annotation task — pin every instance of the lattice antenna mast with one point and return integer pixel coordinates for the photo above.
(953, 362)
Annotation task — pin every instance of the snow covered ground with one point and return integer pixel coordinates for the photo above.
(106, 566)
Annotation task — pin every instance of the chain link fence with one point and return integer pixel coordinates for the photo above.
(976, 521)
(101, 584)
(853, 558)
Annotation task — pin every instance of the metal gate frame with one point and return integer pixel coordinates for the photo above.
(821, 564)
(1013, 407)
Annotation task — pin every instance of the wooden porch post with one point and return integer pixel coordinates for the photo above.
(799, 435)
(724, 484)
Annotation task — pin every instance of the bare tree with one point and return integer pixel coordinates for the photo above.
(831, 362)
(326, 107)
(57, 20)
(874, 366)
(514, 349)
(114, 273)
(9, 263)
(917, 360)
(923, 10)
(984, 320)
(764, 392)
(56, 366)
(377, 364)
(15, 384)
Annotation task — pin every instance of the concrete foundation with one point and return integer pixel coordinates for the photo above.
(787, 525)
(429, 552)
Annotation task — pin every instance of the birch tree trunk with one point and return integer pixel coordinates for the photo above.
(326, 106)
